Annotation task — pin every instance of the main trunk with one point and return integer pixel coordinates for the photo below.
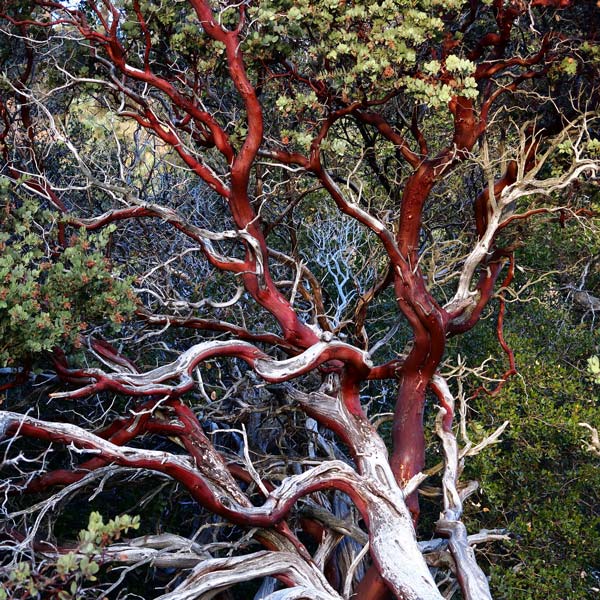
(408, 456)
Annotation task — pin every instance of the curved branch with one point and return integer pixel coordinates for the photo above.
(473, 581)
(152, 382)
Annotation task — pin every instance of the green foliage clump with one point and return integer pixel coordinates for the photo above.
(354, 47)
(541, 483)
(48, 295)
(68, 576)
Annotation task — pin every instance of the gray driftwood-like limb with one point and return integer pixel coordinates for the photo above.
(130, 555)
(164, 550)
(210, 577)
(473, 582)
(392, 541)
(156, 381)
(482, 537)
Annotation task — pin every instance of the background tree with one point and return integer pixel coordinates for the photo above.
(245, 249)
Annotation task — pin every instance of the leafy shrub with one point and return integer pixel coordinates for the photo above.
(48, 294)
(67, 577)
(541, 483)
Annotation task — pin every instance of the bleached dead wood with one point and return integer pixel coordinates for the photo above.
(210, 577)
(473, 582)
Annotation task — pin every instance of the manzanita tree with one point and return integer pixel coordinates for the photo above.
(309, 201)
